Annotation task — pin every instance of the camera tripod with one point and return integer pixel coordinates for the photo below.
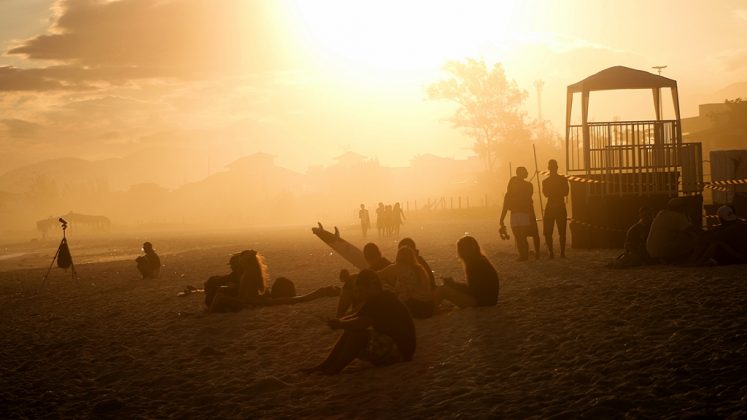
(62, 256)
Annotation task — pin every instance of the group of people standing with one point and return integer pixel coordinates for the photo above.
(523, 221)
(388, 220)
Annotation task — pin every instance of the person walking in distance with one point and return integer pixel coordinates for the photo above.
(555, 188)
(365, 219)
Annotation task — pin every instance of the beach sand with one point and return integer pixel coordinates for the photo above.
(569, 338)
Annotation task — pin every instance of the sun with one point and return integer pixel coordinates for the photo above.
(405, 36)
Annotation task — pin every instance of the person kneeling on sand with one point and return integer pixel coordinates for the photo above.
(381, 332)
(149, 265)
(252, 288)
(408, 280)
(482, 284)
(376, 262)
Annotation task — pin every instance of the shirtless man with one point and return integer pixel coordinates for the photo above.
(518, 199)
(555, 188)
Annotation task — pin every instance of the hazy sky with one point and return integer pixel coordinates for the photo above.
(309, 80)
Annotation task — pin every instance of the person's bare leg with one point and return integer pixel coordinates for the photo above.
(454, 296)
(348, 347)
(536, 239)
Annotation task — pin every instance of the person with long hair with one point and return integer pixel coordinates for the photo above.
(409, 281)
(481, 287)
(252, 289)
(409, 242)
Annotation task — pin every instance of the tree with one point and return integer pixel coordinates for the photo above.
(489, 106)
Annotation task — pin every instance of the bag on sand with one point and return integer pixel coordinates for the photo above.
(283, 287)
(64, 259)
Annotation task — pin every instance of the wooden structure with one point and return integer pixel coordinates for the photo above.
(623, 165)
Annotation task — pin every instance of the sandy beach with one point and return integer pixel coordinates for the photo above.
(569, 338)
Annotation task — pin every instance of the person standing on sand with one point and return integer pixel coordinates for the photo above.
(518, 199)
(365, 219)
(482, 284)
(381, 332)
(555, 188)
(149, 265)
(398, 218)
(380, 218)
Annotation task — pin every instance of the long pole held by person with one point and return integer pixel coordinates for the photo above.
(539, 184)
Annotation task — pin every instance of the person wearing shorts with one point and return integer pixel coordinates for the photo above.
(518, 200)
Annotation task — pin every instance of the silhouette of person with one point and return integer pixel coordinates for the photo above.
(252, 288)
(518, 199)
(365, 219)
(380, 218)
(555, 188)
(672, 236)
(149, 265)
(409, 242)
(381, 332)
(409, 281)
(348, 300)
(481, 288)
(398, 216)
(231, 280)
(388, 221)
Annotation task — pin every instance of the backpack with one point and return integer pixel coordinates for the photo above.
(64, 259)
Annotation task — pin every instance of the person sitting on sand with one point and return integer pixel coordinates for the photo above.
(482, 284)
(672, 236)
(409, 242)
(408, 280)
(381, 332)
(228, 281)
(149, 265)
(252, 287)
(725, 244)
(376, 262)
(635, 253)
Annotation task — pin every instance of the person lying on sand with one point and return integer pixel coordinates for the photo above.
(408, 280)
(149, 265)
(376, 262)
(482, 284)
(409, 242)
(252, 285)
(381, 332)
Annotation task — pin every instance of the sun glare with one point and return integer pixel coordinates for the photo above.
(405, 35)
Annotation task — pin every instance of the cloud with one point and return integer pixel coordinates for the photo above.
(20, 129)
(119, 41)
(741, 14)
(733, 60)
